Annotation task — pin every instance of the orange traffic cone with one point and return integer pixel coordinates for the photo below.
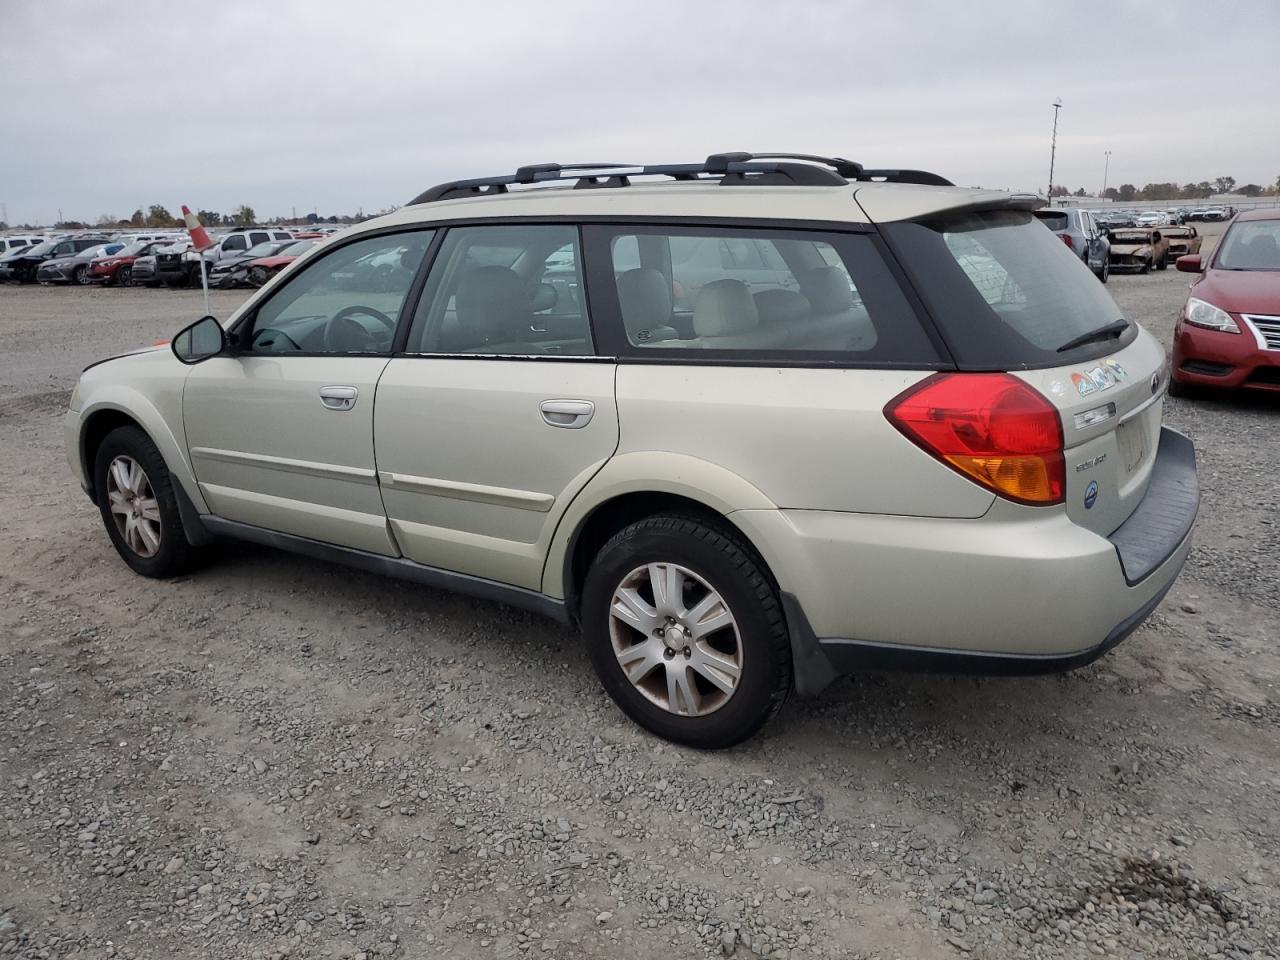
(199, 235)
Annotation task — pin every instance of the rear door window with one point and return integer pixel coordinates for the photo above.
(1005, 292)
(752, 294)
(504, 290)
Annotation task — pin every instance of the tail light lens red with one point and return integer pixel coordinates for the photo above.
(1066, 238)
(992, 428)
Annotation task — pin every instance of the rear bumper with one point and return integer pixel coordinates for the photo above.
(1212, 358)
(1018, 591)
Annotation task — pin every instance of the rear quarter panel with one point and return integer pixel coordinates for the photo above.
(806, 438)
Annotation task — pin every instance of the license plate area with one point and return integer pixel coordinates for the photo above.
(1131, 438)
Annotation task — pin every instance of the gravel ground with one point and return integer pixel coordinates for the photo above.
(278, 757)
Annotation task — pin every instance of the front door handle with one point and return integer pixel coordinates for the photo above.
(571, 414)
(338, 397)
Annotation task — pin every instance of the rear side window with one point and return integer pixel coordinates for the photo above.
(1005, 292)
(736, 293)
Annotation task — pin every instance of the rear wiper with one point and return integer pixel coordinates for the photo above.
(1113, 329)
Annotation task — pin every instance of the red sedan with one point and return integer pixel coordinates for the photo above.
(117, 268)
(1229, 332)
(264, 268)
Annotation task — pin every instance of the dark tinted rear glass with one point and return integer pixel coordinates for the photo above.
(1054, 220)
(1005, 292)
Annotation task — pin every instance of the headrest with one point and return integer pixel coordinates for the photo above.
(724, 307)
(781, 308)
(491, 302)
(827, 289)
(645, 298)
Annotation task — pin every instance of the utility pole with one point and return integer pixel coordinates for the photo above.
(1053, 145)
(1105, 170)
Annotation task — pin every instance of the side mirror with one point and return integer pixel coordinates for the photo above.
(1189, 263)
(203, 339)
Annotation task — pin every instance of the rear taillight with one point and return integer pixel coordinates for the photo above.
(1066, 238)
(992, 428)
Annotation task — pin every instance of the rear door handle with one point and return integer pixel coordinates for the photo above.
(338, 397)
(571, 414)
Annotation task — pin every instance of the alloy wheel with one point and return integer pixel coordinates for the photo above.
(134, 506)
(676, 639)
(80, 275)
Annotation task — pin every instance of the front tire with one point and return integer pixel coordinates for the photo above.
(685, 630)
(124, 276)
(1164, 262)
(138, 506)
(1105, 273)
(80, 275)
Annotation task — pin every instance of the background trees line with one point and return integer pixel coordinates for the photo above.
(1172, 191)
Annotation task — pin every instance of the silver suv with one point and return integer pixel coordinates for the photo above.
(769, 420)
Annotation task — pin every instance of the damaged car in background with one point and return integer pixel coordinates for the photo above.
(1182, 241)
(1139, 248)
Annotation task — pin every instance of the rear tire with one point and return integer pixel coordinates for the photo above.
(680, 681)
(138, 506)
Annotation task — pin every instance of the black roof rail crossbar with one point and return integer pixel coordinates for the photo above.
(718, 162)
(923, 177)
(534, 172)
(731, 169)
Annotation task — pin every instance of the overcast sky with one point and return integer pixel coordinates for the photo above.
(335, 106)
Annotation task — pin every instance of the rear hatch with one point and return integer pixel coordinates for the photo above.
(1008, 296)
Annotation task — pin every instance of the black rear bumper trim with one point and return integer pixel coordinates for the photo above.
(816, 663)
(1167, 512)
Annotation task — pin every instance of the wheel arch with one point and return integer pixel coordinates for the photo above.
(632, 486)
(107, 413)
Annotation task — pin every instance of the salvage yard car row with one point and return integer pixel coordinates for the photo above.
(244, 257)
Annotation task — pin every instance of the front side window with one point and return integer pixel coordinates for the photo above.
(506, 291)
(234, 242)
(758, 293)
(345, 302)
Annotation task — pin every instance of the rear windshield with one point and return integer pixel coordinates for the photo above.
(1054, 221)
(1251, 245)
(1005, 292)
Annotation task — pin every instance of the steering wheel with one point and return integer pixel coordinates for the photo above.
(342, 334)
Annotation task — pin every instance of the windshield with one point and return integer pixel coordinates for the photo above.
(135, 248)
(1251, 245)
(39, 248)
(1006, 293)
